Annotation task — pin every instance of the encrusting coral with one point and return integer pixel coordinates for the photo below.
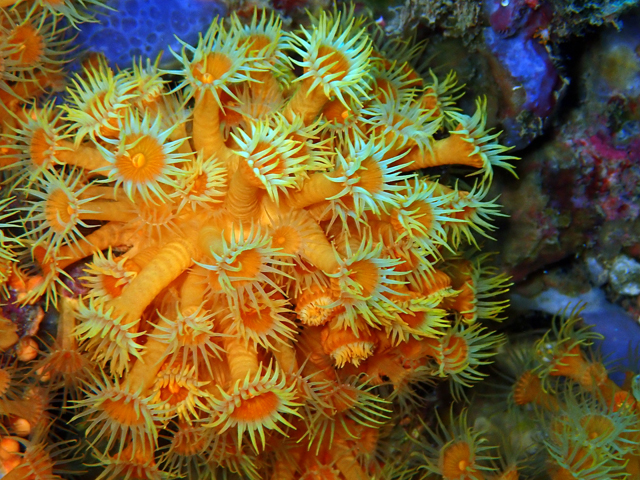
(267, 271)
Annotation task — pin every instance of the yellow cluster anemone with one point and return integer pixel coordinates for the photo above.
(255, 268)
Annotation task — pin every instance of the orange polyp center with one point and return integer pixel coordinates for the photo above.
(316, 315)
(437, 282)
(257, 43)
(36, 463)
(241, 272)
(455, 353)
(321, 472)
(571, 364)
(111, 285)
(174, 393)
(455, 459)
(597, 425)
(466, 213)
(312, 307)
(191, 337)
(249, 264)
(122, 411)
(341, 66)
(199, 185)
(273, 165)
(419, 210)
(595, 374)
(429, 101)
(368, 441)
(414, 321)
(301, 149)
(527, 388)
(335, 112)
(464, 302)
(138, 160)
(259, 321)
(39, 148)
(288, 239)
(400, 122)
(257, 407)
(31, 45)
(213, 68)
(365, 274)
(414, 79)
(59, 210)
(144, 161)
(370, 176)
(383, 85)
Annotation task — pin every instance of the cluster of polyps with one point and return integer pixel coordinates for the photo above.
(267, 271)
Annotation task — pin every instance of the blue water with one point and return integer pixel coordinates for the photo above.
(145, 28)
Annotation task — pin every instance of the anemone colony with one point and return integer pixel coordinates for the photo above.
(252, 258)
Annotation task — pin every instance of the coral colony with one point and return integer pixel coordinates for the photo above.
(254, 264)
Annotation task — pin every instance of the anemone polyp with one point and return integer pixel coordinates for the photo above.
(57, 210)
(30, 45)
(256, 404)
(333, 59)
(118, 415)
(144, 160)
(456, 462)
(107, 276)
(98, 102)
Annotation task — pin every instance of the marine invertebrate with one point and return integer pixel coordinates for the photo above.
(251, 286)
(460, 454)
(254, 405)
(566, 356)
(33, 47)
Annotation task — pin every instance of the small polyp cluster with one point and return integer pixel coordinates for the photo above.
(269, 267)
(554, 413)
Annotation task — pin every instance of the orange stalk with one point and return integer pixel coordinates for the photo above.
(242, 359)
(193, 288)
(453, 150)
(83, 156)
(286, 357)
(243, 197)
(207, 134)
(107, 210)
(172, 259)
(306, 104)
(67, 323)
(144, 372)
(315, 189)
